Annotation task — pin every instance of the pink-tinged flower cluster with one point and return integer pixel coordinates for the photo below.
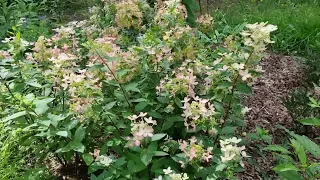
(5, 55)
(206, 19)
(183, 80)
(194, 151)
(197, 111)
(128, 14)
(158, 54)
(141, 128)
(175, 33)
(170, 10)
(102, 50)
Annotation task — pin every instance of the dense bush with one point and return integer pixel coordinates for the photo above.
(134, 92)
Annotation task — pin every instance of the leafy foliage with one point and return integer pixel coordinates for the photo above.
(135, 92)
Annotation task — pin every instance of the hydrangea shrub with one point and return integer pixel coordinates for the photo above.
(166, 105)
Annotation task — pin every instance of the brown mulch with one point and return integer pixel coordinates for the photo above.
(282, 74)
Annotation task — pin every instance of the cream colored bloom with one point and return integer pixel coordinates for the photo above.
(104, 160)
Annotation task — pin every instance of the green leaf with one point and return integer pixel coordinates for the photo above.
(313, 168)
(88, 159)
(64, 149)
(219, 107)
(155, 115)
(300, 152)
(132, 87)
(227, 130)
(146, 157)
(163, 100)
(310, 121)
(135, 167)
(178, 102)
(244, 88)
(153, 147)
(112, 59)
(110, 105)
(79, 134)
(157, 137)
(62, 133)
(168, 123)
(286, 167)
(14, 116)
(139, 100)
(77, 146)
(45, 123)
(160, 153)
(140, 106)
(309, 145)
(72, 124)
(42, 105)
(34, 83)
(290, 175)
(119, 162)
(276, 148)
(221, 167)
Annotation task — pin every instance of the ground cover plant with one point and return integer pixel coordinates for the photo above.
(138, 91)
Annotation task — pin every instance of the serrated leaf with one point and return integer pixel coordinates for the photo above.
(221, 167)
(62, 133)
(139, 100)
(119, 162)
(88, 159)
(244, 88)
(168, 123)
(227, 130)
(146, 157)
(276, 148)
(110, 105)
(77, 146)
(72, 124)
(45, 123)
(112, 59)
(160, 153)
(310, 121)
(34, 83)
(155, 115)
(140, 106)
(66, 148)
(286, 167)
(157, 137)
(132, 87)
(79, 134)
(163, 100)
(178, 102)
(42, 105)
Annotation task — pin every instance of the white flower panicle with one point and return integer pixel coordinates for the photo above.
(104, 160)
(171, 175)
(231, 151)
(196, 111)
(258, 35)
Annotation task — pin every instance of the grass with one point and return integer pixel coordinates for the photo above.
(298, 24)
(15, 162)
(298, 21)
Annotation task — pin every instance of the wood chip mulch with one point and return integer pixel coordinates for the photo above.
(282, 74)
